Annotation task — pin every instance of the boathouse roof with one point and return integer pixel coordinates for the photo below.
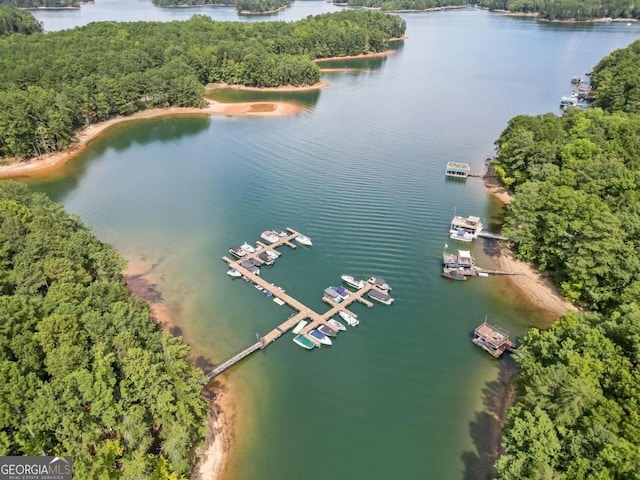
(492, 335)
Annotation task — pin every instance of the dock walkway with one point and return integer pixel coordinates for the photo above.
(304, 312)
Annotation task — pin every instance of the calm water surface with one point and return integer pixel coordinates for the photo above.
(361, 172)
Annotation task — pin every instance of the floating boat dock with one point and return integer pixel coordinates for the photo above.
(304, 312)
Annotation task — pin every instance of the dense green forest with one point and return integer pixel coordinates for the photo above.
(576, 212)
(616, 79)
(83, 369)
(13, 20)
(42, 3)
(54, 83)
(568, 9)
(397, 5)
(242, 6)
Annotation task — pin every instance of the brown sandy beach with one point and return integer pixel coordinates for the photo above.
(47, 163)
(531, 283)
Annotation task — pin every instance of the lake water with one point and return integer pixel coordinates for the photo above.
(361, 172)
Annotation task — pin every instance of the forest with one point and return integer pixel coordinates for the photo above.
(575, 213)
(568, 9)
(617, 80)
(84, 371)
(42, 3)
(52, 84)
(13, 20)
(545, 9)
(242, 6)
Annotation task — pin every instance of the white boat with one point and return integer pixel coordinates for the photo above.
(321, 337)
(483, 274)
(280, 233)
(380, 297)
(269, 236)
(354, 282)
(247, 248)
(380, 283)
(259, 287)
(350, 319)
(237, 252)
(304, 240)
(301, 324)
(278, 301)
(272, 255)
(336, 324)
(465, 229)
(234, 273)
(343, 292)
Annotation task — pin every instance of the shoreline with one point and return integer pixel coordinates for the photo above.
(532, 283)
(213, 452)
(358, 56)
(51, 161)
(210, 87)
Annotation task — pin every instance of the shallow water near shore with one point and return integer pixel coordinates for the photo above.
(361, 172)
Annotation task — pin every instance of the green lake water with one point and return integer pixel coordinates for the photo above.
(360, 171)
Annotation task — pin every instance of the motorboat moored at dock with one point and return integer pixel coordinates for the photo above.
(350, 319)
(233, 273)
(336, 324)
(343, 292)
(332, 294)
(278, 301)
(321, 337)
(380, 297)
(380, 283)
(304, 240)
(328, 331)
(266, 258)
(269, 236)
(465, 229)
(301, 324)
(248, 248)
(453, 275)
(280, 233)
(353, 282)
(237, 251)
(303, 342)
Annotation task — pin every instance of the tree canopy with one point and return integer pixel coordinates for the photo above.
(14, 20)
(54, 83)
(399, 5)
(83, 370)
(42, 3)
(568, 9)
(616, 80)
(242, 6)
(576, 212)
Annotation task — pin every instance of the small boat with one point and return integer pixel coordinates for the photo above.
(483, 274)
(343, 292)
(259, 287)
(269, 236)
(336, 324)
(379, 282)
(492, 339)
(321, 337)
(271, 254)
(246, 279)
(354, 282)
(278, 301)
(329, 332)
(453, 275)
(304, 240)
(303, 342)
(266, 259)
(576, 79)
(247, 248)
(234, 273)
(280, 233)
(350, 319)
(332, 294)
(380, 297)
(301, 324)
(237, 252)
(267, 293)
(461, 235)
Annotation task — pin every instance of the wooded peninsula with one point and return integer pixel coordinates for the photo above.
(576, 213)
(52, 84)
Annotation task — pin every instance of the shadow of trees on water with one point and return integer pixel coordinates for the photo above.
(497, 397)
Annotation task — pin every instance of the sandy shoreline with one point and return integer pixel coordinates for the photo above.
(531, 283)
(359, 56)
(48, 162)
(282, 88)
